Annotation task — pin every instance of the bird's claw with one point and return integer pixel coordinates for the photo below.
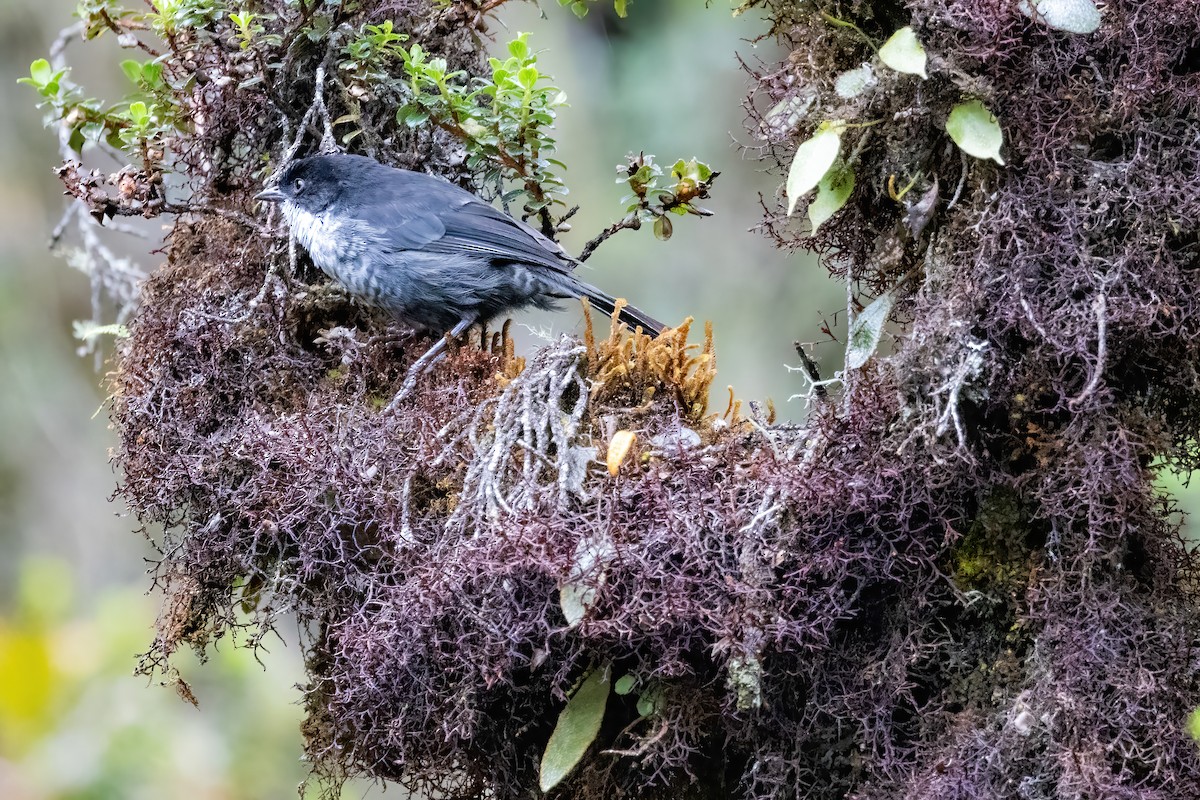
(410, 383)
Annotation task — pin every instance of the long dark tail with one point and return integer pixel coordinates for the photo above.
(633, 317)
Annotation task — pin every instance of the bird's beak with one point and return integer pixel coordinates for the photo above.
(272, 195)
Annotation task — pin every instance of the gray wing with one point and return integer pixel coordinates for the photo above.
(414, 211)
(476, 227)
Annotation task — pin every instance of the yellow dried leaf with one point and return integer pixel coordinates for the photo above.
(618, 448)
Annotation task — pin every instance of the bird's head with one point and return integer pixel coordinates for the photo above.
(311, 184)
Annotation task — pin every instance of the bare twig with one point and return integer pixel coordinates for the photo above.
(632, 222)
(811, 369)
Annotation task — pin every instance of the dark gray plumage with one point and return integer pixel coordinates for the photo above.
(434, 255)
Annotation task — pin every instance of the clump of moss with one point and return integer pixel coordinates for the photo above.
(1042, 303)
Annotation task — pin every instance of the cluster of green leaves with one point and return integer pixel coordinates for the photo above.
(503, 120)
(139, 123)
(580, 721)
(580, 7)
(249, 29)
(818, 162)
(98, 15)
(169, 17)
(654, 194)
(368, 55)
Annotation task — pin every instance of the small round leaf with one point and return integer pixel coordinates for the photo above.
(1069, 16)
(975, 130)
(832, 193)
(866, 330)
(904, 53)
(41, 71)
(853, 82)
(813, 159)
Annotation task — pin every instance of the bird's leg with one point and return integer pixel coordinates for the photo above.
(432, 356)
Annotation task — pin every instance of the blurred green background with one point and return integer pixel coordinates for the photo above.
(73, 609)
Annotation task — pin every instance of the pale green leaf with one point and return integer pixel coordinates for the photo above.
(41, 71)
(624, 684)
(519, 47)
(132, 70)
(866, 331)
(527, 76)
(853, 82)
(832, 193)
(813, 159)
(592, 557)
(975, 130)
(576, 729)
(904, 53)
(1069, 16)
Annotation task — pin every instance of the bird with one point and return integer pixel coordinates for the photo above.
(433, 255)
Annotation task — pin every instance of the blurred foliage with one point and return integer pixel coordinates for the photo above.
(580, 7)
(74, 723)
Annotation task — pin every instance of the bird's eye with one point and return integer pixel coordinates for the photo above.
(298, 184)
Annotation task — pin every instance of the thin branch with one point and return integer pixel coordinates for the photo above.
(811, 369)
(632, 222)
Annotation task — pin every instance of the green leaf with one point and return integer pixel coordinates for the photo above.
(620, 7)
(412, 117)
(519, 48)
(76, 140)
(975, 130)
(625, 684)
(1070, 16)
(41, 72)
(832, 193)
(527, 76)
(866, 331)
(663, 228)
(813, 159)
(576, 729)
(152, 73)
(1193, 724)
(649, 703)
(132, 70)
(903, 53)
(138, 112)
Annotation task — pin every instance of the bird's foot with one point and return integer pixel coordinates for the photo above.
(410, 383)
(424, 363)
